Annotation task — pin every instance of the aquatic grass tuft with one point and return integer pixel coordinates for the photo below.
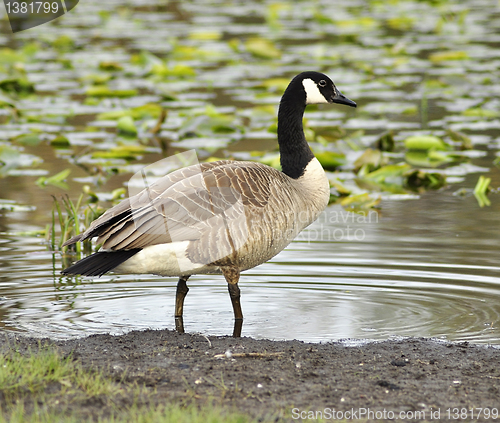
(481, 190)
(67, 217)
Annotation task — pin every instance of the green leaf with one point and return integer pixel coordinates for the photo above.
(57, 180)
(364, 22)
(205, 35)
(359, 202)
(60, 142)
(321, 18)
(422, 158)
(149, 110)
(126, 126)
(105, 91)
(425, 142)
(369, 160)
(63, 43)
(10, 57)
(479, 112)
(144, 58)
(482, 185)
(394, 185)
(401, 23)
(125, 152)
(28, 139)
(262, 48)
(448, 55)
(389, 172)
(339, 187)
(178, 70)
(480, 191)
(98, 79)
(110, 66)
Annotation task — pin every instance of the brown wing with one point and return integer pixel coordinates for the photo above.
(189, 204)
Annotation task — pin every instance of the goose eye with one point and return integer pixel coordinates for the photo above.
(322, 83)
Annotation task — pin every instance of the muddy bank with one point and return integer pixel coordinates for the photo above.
(285, 379)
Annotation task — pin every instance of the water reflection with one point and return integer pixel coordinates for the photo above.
(422, 268)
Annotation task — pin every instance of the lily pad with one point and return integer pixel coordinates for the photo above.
(480, 112)
(262, 48)
(126, 126)
(105, 91)
(448, 55)
(110, 66)
(388, 172)
(177, 70)
(369, 161)
(125, 152)
(425, 142)
(58, 180)
(28, 139)
(359, 203)
(60, 142)
(422, 158)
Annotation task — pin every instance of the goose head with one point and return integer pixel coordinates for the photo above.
(319, 88)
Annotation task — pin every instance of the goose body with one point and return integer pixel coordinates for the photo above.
(219, 217)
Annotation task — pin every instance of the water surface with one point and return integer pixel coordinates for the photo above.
(423, 264)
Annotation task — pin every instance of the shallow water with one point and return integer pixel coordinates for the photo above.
(422, 266)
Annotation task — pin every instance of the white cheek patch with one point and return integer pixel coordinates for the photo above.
(313, 94)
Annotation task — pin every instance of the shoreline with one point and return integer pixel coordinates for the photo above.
(263, 378)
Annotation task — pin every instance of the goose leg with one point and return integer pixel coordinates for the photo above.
(180, 294)
(232, 276)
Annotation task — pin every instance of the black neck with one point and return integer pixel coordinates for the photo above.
(295, 153)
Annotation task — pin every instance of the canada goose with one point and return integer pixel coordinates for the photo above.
(219, 217)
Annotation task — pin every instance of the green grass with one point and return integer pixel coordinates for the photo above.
(158, 414)
(33, 373)
(45, 387)
(68, 218)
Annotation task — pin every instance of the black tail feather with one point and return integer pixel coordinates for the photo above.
(100, 263)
